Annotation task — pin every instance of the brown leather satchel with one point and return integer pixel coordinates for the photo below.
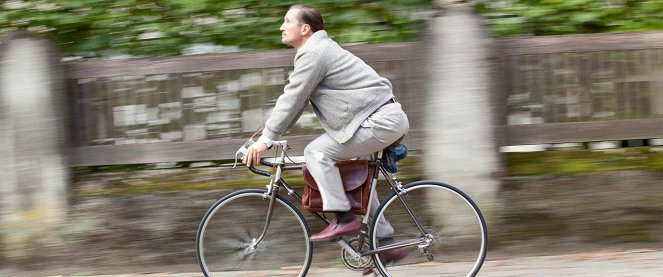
(356, 181)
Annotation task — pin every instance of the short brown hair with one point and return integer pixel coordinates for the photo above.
(311, 16)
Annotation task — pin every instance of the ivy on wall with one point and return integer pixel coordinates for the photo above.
(103, 28)
(555, 17)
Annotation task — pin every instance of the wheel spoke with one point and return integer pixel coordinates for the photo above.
(233, 224)
(455, 233)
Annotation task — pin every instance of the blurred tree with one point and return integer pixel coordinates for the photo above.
(103, 28)
(553, 17)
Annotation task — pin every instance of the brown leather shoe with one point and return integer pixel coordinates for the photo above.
(386, 257)
(336, 230)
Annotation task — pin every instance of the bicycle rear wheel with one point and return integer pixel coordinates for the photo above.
(224, 243)
(454, 231)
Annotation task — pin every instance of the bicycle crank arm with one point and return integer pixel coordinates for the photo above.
(345, 245)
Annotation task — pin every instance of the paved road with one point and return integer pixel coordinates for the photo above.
(637, 262)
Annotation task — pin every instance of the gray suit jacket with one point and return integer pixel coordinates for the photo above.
(342, 89)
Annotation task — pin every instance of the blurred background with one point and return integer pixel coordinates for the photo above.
(119, 119)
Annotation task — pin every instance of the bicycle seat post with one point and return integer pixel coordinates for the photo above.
(371, 197)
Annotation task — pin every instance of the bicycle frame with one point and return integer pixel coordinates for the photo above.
(276, 182)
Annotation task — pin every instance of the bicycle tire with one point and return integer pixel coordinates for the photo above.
(451, 219)
(234, 221)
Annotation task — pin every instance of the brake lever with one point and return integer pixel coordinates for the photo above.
(242, 150)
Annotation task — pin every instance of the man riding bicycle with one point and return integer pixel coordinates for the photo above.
(355, 107)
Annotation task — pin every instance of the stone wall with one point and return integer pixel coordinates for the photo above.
(597, 208)
(147, 219)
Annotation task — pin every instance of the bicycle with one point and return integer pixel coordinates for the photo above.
(441, 229)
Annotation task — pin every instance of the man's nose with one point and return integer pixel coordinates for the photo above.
(282, 28)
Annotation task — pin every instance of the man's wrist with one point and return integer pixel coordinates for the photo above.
(267, 141)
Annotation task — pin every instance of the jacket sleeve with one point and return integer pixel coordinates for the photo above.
(308, 73)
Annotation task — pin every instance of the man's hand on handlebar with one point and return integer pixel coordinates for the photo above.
(253, 153)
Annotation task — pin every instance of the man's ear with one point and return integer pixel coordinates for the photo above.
(306, 30)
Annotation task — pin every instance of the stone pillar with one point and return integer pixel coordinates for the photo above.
(460, 146)
(34, 175)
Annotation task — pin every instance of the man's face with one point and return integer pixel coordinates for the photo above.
(292, 29)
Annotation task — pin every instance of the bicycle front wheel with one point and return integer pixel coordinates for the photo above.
(454, 237)
(225, 244)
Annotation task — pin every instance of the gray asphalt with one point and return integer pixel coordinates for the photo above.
(642, 262)
(639, 262)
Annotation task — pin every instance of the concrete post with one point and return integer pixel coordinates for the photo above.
(34, 175)
(460, 145)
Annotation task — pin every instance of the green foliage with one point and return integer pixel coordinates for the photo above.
(555, 17)
(128, 179)
(584, 161)
(93, 28)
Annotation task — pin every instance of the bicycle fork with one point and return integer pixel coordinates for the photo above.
(268, 219)
(272, 192)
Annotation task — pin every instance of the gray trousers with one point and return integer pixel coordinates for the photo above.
(378, 131)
